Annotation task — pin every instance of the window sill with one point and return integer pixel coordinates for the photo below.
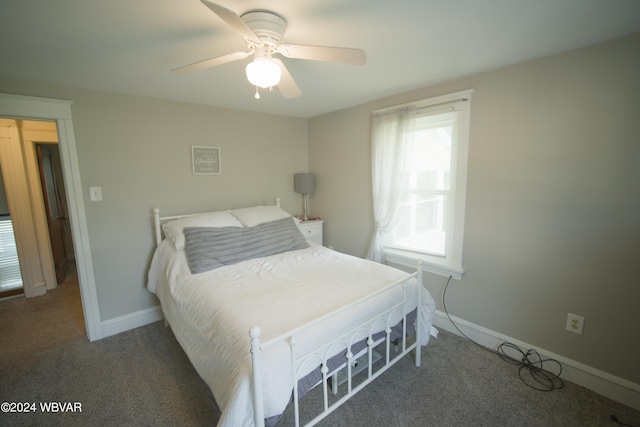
(429, 264)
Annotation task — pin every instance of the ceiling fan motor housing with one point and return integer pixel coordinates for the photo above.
(268, 26)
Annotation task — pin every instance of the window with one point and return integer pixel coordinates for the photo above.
(10, 277)
(421, 216)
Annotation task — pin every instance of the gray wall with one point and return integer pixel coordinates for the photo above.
(139, 151)
(553, 201)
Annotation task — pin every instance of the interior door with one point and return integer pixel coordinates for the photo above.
(55, 209)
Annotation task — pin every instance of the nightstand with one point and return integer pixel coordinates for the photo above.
(312, 230)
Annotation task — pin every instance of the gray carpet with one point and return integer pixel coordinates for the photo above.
(143, 378)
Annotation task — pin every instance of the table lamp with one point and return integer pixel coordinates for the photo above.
(304, 183)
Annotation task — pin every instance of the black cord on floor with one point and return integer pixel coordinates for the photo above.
(615, 420)
(531, 363)
(531, 371)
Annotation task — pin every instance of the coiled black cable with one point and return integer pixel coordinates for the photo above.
(531, 371)
(531, 363)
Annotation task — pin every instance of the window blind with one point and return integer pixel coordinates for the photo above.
(10, 277)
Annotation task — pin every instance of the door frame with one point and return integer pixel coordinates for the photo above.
(28, 107)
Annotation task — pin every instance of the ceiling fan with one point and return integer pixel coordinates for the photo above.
(263, 32)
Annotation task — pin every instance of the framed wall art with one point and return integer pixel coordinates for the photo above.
(205, 160)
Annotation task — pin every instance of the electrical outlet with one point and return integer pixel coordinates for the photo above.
(575, 323)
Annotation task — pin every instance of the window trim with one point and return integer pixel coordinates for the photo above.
(451, 264)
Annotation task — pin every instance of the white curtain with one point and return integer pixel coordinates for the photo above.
(391, 145)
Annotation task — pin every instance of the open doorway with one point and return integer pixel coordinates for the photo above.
(24, 197)
(55, 204)
(59, 111)
(36, 247)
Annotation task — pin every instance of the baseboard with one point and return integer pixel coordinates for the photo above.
(603, 383)
(131, 321)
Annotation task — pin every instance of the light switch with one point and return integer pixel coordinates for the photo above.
(95, 194)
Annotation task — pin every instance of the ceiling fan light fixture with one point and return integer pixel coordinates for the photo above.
(263, 72)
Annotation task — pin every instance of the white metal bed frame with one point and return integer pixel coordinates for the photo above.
(321, 354)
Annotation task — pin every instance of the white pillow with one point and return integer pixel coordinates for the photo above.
(173, 230)
(257, 215)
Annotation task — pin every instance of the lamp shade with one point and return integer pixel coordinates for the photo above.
(304, 183)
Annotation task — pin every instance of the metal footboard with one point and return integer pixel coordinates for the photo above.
(320, 356)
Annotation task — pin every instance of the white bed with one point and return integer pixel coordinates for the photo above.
(318, 299)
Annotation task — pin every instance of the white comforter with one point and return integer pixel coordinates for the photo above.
(212, 312)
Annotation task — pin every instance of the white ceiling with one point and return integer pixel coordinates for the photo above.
(129, 46)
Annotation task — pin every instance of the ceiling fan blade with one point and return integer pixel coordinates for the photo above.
(211, 62)
(233, 20)
(287, 85)
(322, 53)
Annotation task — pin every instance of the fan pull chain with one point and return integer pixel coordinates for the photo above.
(257, 95)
